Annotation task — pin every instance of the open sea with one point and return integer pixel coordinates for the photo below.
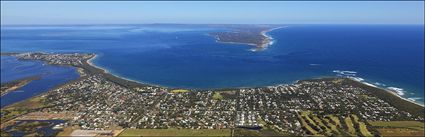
(183, 56)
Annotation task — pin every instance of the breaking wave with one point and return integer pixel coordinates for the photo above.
(398, 91)
(414, 98)
(353, 75)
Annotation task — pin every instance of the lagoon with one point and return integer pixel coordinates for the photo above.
(51, 76)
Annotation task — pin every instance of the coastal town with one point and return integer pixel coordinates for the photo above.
(327, 106)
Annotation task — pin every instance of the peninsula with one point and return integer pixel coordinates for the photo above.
(254, 35)
(16, 84)
(101, 103)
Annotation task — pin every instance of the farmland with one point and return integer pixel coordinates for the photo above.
(399, 128)
(328, 125)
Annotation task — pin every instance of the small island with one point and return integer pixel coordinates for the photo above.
(255, 35)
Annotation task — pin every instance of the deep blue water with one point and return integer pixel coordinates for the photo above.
(184, 56)
(51, 76)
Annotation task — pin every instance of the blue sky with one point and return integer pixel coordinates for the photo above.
(239, 12)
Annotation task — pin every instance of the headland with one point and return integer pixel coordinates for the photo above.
(250, 35)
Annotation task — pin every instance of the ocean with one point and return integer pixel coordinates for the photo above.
(184, 56)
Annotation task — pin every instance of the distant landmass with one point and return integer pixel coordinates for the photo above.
(254, 35)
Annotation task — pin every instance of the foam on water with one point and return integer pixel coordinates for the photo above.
(398, 91)
(353, 75)
(414, 98)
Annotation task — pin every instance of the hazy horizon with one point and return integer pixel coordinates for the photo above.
(165, 23)
(207, 12)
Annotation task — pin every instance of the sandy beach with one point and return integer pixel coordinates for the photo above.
(89, 62)
(114, 77)
(268, 39)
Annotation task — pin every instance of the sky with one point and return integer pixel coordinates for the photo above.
(214, 12)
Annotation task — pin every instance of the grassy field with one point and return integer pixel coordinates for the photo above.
(179, 91)
(321, 125)
(305, 125)
(335, 120)
(400, 132)
(20, 108)
(350, 125)
(331, 125)
(399, 128)
(176, 132)
(363, 130)
(400, 124)
(217, 96)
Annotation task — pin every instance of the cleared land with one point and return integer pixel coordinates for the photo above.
(20, 108)
(401, 124)
(350, 125)
(401, 132)
(330, 125)
(175, 132)
(217, 96)
(399, 128)
(179, 91)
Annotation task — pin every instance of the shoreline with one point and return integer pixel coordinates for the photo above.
(89, 67)
(388, 90)
(406, 99)
(366, 84)
(393, 99)
(89, 61)
(268, 39)
(15, 85)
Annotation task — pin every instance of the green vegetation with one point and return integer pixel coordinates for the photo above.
(350, 125)
(318, 124)
(321, 125)
(399, 128)
(305, 125)
(21, 108)
(4, 134)
(389, 97)
(363, 130)
(30, 126)
(228, 94)
(360, 126)
(176, 132)
(335, 120)
(179, 91)
(355, 118)
(217, 96)
(401, 124)
(16, 84)
(400, 132)
(239, 132)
